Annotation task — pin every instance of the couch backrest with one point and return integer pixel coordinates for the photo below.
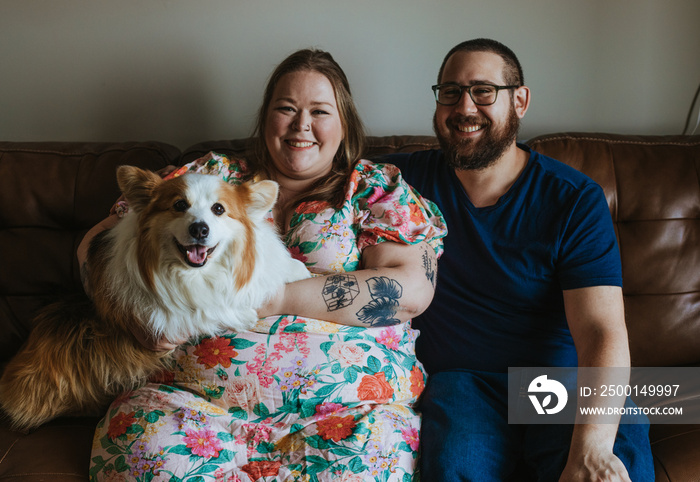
(50, 194)
(376, 145)
(652, 184)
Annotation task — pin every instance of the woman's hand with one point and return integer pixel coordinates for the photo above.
(147, 339)
(274, 305)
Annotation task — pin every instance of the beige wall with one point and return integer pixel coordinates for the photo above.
(183, 71)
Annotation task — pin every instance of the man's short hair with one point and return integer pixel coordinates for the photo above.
(512, 73)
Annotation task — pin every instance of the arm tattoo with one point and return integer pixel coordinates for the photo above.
(428, 265)
(339, 291)
(382, 309)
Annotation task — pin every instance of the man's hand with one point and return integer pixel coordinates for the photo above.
(594, 466)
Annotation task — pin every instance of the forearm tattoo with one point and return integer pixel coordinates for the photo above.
(429, 265)
(381, 311)
(339, 291)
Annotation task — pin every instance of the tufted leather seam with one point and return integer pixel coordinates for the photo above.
(9, 449)
(614, 141)
(674, 436)
(679, 293)
(660, 462)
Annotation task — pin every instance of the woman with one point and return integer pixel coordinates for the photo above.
(322, 388)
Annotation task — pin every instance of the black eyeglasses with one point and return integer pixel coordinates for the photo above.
(481, 94)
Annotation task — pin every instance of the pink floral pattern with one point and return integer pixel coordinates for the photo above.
(294, 399)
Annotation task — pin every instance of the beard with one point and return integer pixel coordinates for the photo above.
(478, 154)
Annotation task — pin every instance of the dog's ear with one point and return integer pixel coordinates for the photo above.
(137, 185)
(263, 195)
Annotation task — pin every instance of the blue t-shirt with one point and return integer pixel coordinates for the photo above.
(498, 301)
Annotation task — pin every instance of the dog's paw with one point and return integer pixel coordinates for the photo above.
(297, 271)
(246, 320)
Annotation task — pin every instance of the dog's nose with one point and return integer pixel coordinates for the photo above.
(199, 230)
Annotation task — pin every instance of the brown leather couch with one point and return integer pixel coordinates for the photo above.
(52, 193)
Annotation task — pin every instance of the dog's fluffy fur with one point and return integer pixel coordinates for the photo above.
(193, 256)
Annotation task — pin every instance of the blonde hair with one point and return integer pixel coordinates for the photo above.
(330, 188)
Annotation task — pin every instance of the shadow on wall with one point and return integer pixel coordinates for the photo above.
(176, 114)
(165, 103)
(127, 98)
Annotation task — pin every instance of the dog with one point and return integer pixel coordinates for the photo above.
(193, 256)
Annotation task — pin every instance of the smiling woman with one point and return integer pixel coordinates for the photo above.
(330, 105)
(303, 129)
(323, 386)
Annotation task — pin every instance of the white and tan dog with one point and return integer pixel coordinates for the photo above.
(194, 256)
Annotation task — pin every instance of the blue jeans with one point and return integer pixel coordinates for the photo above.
(465, 435)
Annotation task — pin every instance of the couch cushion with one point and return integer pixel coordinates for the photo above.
(674, 456)
(50, 194)
(652, 184)
(58, 451)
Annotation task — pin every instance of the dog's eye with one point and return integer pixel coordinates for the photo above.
(218, 209)
(181, 206)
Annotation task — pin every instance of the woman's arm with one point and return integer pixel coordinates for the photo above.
(84, 245)
(109, 222)
(395, 284)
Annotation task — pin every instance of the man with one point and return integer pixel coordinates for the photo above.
(530, 277)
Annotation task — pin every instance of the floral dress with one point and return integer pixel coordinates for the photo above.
(294, 399)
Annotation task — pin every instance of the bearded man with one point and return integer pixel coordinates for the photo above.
(530, 277)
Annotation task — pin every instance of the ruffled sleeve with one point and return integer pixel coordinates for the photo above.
(232, 171)
(388, 209)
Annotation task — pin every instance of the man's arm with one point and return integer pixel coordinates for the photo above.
(597, 323)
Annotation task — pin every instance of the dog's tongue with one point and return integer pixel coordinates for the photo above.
(196, 254)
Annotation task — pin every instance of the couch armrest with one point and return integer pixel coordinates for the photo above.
(652, 184)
